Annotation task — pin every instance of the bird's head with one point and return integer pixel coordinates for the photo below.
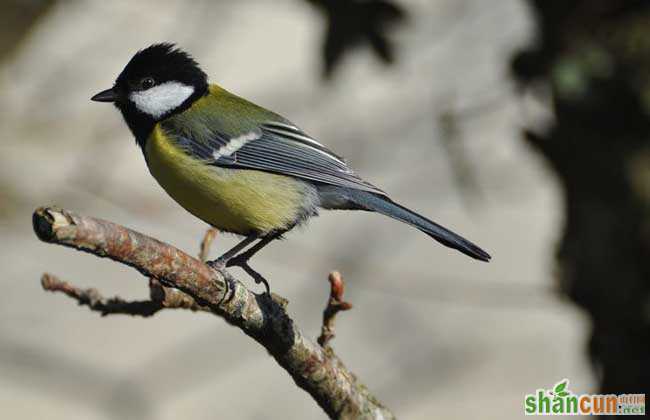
(159, 81)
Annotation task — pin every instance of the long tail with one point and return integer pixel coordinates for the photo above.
(384, 205)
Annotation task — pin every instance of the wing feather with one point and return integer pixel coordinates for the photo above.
(276, 147)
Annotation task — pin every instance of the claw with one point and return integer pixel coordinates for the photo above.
(240, 261)
(217, 264)
(257, 277)
(232, 259)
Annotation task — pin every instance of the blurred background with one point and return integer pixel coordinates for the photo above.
(522, 125)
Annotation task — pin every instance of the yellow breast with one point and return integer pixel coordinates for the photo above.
(233, 200)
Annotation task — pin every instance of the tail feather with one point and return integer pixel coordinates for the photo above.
(384, 205)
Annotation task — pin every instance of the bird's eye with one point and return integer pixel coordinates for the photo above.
(147, 83)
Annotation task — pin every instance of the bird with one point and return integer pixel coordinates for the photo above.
(237, 166)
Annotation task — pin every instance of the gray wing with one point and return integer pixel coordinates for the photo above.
(280, 148)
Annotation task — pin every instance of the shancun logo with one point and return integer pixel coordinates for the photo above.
(561, 401)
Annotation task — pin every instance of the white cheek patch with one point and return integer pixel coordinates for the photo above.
(160, 99)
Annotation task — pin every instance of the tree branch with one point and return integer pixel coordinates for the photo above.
(319, 372)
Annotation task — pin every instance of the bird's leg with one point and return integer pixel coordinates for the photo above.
(256, 276)
(223, 260)
(243, 258)
(232, 257)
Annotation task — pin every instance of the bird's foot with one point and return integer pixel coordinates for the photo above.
(256, 276)
(218, 264)
(240, 260)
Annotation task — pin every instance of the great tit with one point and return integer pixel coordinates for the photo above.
(237, 166)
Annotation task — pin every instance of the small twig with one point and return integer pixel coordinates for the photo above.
(161, 298)
(171, 298)
(335, 304)
(96, 302)
(209, 237)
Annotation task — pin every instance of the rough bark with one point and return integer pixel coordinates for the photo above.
(315, 369)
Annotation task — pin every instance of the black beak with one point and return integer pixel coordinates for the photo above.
(107, 95)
